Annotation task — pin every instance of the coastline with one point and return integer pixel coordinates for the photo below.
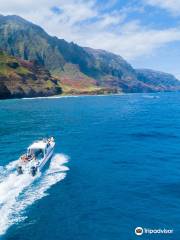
(85, 95)
(64, 96)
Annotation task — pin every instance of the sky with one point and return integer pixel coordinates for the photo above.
(144, 32)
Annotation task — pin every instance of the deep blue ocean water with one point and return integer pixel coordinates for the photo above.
(116, 167)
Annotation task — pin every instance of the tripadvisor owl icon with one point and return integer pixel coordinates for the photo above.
(139, 231)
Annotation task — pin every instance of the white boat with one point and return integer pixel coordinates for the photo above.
(38, 153)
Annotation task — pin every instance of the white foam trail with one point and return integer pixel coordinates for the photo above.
(18, 192)
(6, 170)
(1, 173)
(11, 165)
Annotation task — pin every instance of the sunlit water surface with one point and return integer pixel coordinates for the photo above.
(116, 167)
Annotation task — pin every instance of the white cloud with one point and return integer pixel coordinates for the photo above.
(87, 23)
(173, 6)
(133, 42)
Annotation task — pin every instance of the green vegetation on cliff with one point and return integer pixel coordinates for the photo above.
(10, 65)
(19, 78)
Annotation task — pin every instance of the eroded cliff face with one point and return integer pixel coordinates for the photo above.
(77, 68)
(70, 67)
(19, 78)
(159, 80)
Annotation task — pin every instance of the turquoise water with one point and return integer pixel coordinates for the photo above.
(116, 167)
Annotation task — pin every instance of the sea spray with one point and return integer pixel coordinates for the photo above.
(18, 192)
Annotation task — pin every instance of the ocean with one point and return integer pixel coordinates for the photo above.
(116, 167)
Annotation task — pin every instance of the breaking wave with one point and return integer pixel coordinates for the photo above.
(18, 192)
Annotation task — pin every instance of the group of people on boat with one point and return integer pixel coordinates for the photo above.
(27, 158)
(36, 154)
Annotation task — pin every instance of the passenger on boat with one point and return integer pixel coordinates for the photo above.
(24, 158)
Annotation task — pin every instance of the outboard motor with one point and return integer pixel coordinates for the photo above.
(19, 170)
(33, 171)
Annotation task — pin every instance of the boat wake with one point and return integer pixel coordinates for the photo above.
(18, 192)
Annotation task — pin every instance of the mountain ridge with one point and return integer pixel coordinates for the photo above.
(77, 69)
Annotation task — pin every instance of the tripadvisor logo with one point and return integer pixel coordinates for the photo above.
(139, 231)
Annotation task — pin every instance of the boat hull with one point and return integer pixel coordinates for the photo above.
(46, 159)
